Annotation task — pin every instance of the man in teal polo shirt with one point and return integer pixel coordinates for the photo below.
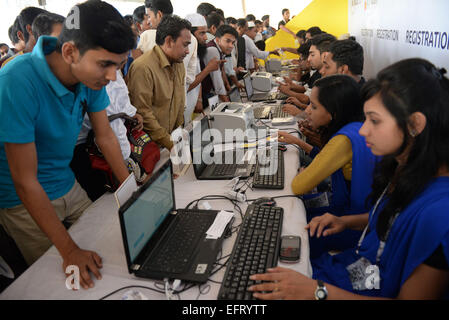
(43, 98)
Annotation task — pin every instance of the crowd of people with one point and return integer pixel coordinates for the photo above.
(376, 189)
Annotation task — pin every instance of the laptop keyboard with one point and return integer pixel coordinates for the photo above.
(275, 112)
(224, 170)
(279, 113)
(265, 181)
(255, 250)
(262, 113)
(176, 251)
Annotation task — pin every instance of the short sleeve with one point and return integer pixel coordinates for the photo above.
(18, 109)
(98, 100)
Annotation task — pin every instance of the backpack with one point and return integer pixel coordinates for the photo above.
(142, 160)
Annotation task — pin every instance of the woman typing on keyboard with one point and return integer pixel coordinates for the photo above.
(335, 112)
(403, 252)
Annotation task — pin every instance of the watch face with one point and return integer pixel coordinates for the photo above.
(321, 294)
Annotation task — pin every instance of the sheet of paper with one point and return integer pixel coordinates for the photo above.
(218, 227)
(125, 190)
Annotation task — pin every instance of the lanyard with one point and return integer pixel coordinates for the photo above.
(369, 221)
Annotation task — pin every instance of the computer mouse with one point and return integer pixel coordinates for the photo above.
(265, 201)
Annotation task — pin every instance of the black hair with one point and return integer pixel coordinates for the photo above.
(26, 17)
(406, 87)
(265, 17)
(214, 19)
(100, 26)
(260, 45)
(139, 14)
(241, 23)
(43, 24)
(257, 22)
(323, 41)
(314, 31)
(250, 17)
(225, 29)
(11, 35)
(340, 96)
(301, 34)
(205, 9)
(284, 11)
(171, 25)
(220, 12)
(3, 44)
(163, 6)
(348, 52)
(129, 20)
(231, 20)
(304, 49)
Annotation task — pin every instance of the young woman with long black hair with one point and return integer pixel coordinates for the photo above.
(404, 250)
(336, 112)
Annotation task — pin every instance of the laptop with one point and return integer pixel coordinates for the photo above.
(261, 96)
(164, 242)
(213, 170)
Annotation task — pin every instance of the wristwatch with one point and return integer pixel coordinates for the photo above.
(321, 291)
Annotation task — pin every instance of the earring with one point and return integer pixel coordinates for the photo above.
(412, 133)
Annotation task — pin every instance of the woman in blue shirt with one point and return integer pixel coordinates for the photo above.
(403, 252)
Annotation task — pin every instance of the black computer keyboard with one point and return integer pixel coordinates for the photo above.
(270, 181)
(255, 250)
(174, 254)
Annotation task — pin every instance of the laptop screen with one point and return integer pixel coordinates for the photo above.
(234, 95)
(146, 214)
(248, 85)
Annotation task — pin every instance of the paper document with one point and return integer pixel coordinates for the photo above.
(125, 190)
(218, 227)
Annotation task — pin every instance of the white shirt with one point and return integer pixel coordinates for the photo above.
(119, 102)
(147, 40)
(258, 37)
(190, 61)
(192, 97)
(193, 68)
(216, 76)
(252, 51)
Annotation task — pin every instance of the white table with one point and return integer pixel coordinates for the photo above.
(99, 230)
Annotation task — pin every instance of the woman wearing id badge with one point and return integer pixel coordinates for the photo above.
(403, 252)
(336, 111)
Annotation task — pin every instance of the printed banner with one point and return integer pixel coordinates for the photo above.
(390, 31)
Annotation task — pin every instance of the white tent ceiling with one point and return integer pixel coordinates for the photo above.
(9, 9)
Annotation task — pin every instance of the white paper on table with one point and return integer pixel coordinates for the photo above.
(217, 228)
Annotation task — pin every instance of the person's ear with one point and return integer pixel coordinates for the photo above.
(169, 42)
(20, 36)
(416, 124)
(159, 15)
(139, 27)
(344, 69)
(70, 52)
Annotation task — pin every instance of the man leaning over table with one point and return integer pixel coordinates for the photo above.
(40, 119)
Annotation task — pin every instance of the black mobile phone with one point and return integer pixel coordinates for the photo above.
(290, 249)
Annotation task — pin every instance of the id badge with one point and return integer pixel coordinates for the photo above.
(361, 275)
(317, 201)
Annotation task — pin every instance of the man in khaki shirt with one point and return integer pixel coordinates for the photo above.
(156, 81)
